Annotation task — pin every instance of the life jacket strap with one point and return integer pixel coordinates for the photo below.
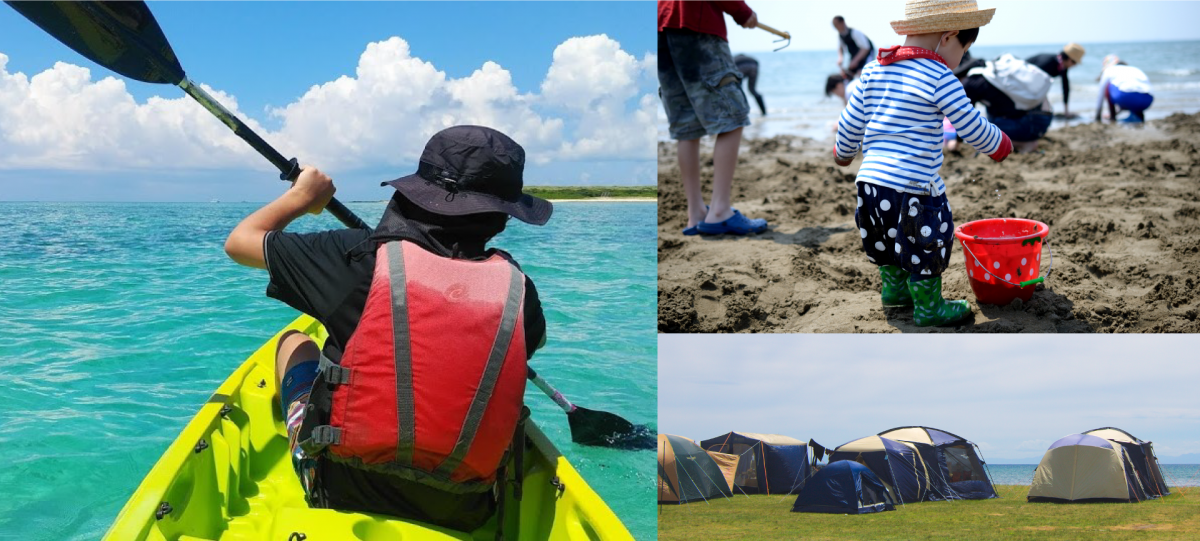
(322, 436)
(333, 373)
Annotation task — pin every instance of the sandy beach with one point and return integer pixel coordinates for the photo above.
(1122, 203)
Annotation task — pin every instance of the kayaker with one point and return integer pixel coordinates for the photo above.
(1056, 65)
(467, 185)
(855, 44)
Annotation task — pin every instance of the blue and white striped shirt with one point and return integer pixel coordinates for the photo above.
(896, 112)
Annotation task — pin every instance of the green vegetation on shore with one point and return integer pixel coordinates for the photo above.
(1010, 517)
(593, 192)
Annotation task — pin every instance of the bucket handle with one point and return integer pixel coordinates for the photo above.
(1037, 280)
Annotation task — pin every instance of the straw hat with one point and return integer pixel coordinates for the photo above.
(931, 16)
(1074, 51)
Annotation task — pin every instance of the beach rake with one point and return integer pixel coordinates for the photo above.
(784, 36)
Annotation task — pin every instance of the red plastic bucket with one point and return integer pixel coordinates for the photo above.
(1004, 257)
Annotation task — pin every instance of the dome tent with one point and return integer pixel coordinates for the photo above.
(956, 469)
(898, 464)
(1141, 455)
(767, 463)
(844, 487)
(1084, 468)
(687, 473)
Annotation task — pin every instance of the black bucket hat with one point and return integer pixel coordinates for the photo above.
(472, 170)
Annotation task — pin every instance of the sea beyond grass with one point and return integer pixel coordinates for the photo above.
(593, 192)
(1009, 518)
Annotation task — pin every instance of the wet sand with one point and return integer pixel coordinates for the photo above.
(1123, 206)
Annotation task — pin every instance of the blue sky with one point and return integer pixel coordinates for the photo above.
(581, 114)
(1016, 22)
(1013, 397)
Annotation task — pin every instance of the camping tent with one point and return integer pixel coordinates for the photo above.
(1141, 454)
(956, 470)
(898, 464)
(768, 463)
(1083, 468)
(844, 487)
(686, 473)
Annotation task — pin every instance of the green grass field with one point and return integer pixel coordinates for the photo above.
(769, 517)
(592, 192)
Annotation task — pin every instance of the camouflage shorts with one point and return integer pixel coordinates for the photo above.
(700, 87)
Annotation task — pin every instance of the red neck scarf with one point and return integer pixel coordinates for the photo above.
(899, 52)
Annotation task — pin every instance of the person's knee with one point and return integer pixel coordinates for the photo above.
(294, 347)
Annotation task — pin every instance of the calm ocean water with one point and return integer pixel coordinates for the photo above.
(1176, 475)
(793, 83)
(121, 318)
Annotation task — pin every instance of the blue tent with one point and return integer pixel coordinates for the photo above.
(897, 464)
(767, 463)
(956, 468)
(844, 487)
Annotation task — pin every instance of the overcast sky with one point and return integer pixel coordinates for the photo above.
(1015, 22)
(356, 88)
(1012, 395)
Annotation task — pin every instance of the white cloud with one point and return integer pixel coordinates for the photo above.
(588, 108)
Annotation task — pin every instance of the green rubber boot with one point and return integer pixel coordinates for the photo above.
(895, 286)
(930, 309)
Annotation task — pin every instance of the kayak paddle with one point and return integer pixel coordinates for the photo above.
(124, 37)
(600, 428)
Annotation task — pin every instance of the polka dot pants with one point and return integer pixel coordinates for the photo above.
(913, 232)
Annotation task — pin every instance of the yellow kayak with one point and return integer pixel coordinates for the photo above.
(228, 477)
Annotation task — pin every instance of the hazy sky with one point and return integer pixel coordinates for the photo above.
(356, 88)
(1012, 395)
(1015, 22)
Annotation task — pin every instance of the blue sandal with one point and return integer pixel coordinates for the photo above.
(691, 231)
(735, 225)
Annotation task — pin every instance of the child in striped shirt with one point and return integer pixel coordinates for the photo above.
(895, 114)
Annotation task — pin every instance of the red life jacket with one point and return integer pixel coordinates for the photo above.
(431, 384)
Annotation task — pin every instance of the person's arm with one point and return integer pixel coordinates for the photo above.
(310, 193)
(852, 126)
(860, 39)
(741, 13)
(1102, 95)
(840, 57)
(1066, 94)
(971, 126)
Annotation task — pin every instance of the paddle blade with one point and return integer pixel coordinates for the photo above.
(600, 428)
(121, 36)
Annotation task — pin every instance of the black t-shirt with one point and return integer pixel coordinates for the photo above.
(327, 275)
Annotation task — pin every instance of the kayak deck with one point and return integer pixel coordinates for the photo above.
(228, 477)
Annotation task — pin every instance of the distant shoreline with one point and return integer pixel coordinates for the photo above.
(607, 200)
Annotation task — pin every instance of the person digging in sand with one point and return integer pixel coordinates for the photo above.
(835, 85)
(1123, 86)
(1056, 65)
(903, 215)
(701, 90)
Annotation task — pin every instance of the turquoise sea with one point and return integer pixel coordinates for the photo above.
(121, 318)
